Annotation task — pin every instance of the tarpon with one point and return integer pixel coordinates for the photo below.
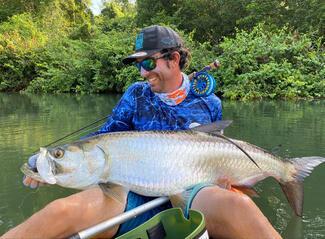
(167, 163)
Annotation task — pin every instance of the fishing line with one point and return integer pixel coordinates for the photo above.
(26, 196)
(76, 131)
(80, 134)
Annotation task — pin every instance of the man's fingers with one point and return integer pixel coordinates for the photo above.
(26, 181)
(33, 184)
(29, 182)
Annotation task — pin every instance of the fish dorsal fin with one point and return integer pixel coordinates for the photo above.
(217, 126)
(115, 191)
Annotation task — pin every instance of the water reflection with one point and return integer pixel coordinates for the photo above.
(299, 127)
(29, 121)
(26, 123)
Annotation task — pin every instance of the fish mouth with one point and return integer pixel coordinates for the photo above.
(46, 167)
(29, 172)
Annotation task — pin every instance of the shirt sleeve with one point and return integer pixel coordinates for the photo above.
(122, 115)
(218, 109)
(214, 104)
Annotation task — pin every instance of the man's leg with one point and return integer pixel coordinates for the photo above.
(232, 215)
(69, 215)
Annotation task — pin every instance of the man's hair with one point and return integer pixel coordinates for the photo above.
(183, 52)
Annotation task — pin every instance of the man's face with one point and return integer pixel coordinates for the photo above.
(160, 77)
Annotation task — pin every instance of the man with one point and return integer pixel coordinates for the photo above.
(164, 102)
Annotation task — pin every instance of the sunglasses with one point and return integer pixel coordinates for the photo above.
(149, 63)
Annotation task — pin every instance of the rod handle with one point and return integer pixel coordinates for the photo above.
(213, 65)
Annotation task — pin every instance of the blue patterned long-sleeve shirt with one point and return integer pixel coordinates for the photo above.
(140, 109)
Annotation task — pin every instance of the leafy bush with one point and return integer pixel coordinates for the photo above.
(20, 42)
(66, 65)
(274, 64)
(86, 67)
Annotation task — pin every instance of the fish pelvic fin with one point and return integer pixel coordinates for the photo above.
(115, 191)
(293, 189)
(180, 200)
(244, 190)
(225, 183)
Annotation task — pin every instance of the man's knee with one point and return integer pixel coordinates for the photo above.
(240, 200)
(230, 214)
(221, 199)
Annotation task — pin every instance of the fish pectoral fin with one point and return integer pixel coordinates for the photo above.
(214, 127)
(244, 189)
(115, 191)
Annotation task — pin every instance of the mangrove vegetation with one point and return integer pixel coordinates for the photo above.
(267, 48)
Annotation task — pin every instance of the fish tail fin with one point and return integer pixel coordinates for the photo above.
(293, 189)
(294, 193)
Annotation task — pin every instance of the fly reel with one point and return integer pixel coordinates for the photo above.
(203, 84)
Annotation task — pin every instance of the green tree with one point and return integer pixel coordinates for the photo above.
(152, 12)
(20, 39)
(304, 16)
(24, 37)
(209, 20)
(9, 8)
(117, 15)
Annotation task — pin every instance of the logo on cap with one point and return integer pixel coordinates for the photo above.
(168, 42)
(139, 41)
(139, 54)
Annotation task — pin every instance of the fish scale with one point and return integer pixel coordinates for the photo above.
(189, 157)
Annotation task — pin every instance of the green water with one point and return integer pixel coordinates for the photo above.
(291, 129)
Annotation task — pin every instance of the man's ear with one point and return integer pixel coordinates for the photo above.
(175, 57)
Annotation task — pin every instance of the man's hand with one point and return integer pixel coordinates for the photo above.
(28, 181)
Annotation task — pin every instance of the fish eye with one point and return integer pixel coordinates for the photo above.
(58, 153)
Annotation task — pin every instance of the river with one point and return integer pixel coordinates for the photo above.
(287, 128)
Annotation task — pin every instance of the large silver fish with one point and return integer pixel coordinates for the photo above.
(166, 163)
